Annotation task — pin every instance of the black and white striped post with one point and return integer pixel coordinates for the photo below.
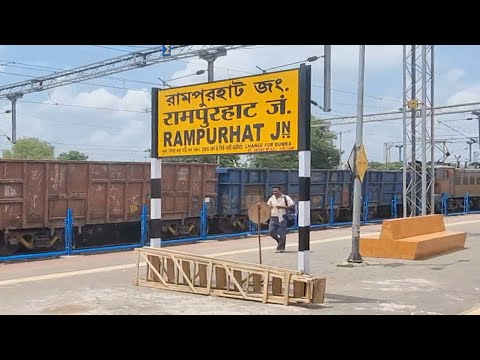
(304, 169)
(155, 180)
(156, 203)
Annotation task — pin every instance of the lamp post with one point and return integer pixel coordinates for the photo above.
(470, 150)
(399, 152)
(477, 114)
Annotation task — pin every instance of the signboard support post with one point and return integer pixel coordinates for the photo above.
(259, 238)
(304, 170)
(155, 182)
(258, 214)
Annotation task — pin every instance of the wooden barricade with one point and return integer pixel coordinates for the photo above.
(173, 270)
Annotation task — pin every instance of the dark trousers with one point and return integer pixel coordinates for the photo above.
(278, 231)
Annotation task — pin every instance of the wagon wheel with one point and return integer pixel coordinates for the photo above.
(241, 223)
(316, 217)
(170, 231)
(9, 245)
(60, 243)
(225, 226)
(193, 228)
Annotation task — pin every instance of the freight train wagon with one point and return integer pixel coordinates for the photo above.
(239, 188)
(106, 199)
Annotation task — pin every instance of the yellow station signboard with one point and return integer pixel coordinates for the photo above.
(238, 116)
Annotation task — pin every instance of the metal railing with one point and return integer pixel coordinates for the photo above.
(69, 241)
(69, 234)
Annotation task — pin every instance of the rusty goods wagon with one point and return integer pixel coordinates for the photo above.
(185, 186)
(35, 195)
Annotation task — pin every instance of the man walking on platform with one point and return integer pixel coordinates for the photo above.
(280, 205)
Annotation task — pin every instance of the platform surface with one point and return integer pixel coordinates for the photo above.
(102, 284)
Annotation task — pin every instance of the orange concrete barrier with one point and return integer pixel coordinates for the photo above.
(412, 238)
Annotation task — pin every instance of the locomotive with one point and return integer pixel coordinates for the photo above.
(454, 183)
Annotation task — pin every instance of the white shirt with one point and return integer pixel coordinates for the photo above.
(273, 202)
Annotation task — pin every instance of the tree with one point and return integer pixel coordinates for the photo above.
(324, 153)
(225, 160)
(375, 165)
(282, 160)
(30, 149)
(230, 161)
(73, 155)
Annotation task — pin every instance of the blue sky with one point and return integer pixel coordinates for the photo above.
(121, 130)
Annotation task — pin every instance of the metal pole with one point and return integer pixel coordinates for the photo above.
(304, 170)
(210, 59)
(404, 204)
(414, 189)
(156, 203)
(155, 223)
(327, 77)
(210, 70)
(14, 120)
(432, 129)
(478, 118)
(424, 130)
(13, 98)
(355, 256)
(469, 151)
(259, 239)
(210, 62)
(340, 153)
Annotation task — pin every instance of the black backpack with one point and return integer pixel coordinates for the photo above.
(290, 215)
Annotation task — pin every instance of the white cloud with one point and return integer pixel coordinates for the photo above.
(467, 95)
(454, 75)
(133, 129)
(376, 56)
(103, 98)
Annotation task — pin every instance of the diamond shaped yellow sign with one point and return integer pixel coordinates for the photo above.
(361, 162)
(412, 104)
